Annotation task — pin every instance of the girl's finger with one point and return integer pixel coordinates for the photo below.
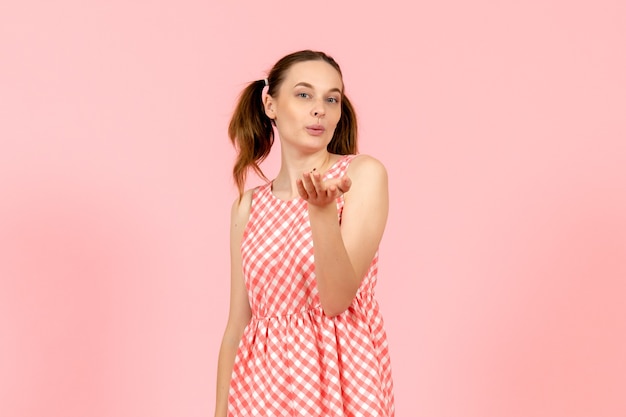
(317, 180)
(309, 186)
(302, 189)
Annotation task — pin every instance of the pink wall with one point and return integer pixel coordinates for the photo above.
(503, 268)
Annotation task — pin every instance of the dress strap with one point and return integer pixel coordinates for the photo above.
(340, 167)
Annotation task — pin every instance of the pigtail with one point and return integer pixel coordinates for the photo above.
(344, 141)
(251, 133)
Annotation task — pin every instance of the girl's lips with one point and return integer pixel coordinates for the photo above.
(315, 130)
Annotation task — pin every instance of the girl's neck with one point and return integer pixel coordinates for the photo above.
(293, 168)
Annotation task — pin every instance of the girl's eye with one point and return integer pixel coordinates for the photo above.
(303, 95)
(333, 100)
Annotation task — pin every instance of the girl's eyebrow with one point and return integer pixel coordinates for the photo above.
(305, 84)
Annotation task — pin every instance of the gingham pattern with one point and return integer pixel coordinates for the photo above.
(293, 360)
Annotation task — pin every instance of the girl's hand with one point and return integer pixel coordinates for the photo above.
(320, 192)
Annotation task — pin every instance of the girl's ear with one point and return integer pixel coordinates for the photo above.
(269, 105)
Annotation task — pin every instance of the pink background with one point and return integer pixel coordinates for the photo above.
(502, 124)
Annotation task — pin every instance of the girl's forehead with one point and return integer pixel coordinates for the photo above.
(316, 73)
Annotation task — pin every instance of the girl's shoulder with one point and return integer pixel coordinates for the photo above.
(366, 165)
(241, 207)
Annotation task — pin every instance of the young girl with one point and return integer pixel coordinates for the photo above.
(304, 334)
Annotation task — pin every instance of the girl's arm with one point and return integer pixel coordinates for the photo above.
(343, 253)
(239, 313)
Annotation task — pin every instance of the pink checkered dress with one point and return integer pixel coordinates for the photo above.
(293, 360)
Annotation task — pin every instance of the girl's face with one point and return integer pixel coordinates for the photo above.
(307, 107)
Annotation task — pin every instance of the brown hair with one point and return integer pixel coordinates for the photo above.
(252, 132)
